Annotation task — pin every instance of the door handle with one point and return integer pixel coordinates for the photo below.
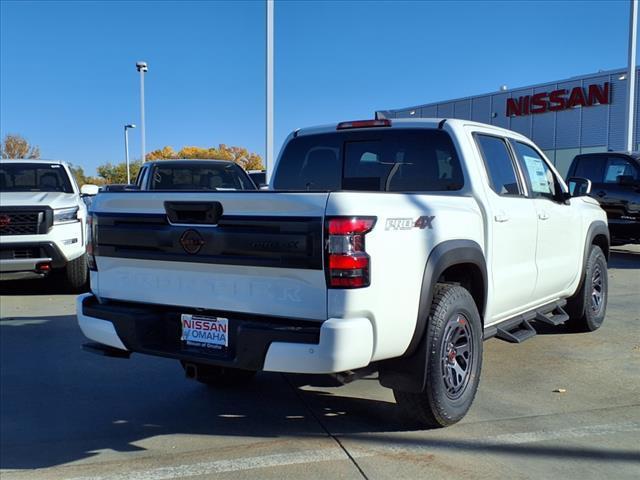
(543, 216)
(601, 193)
(501, 217)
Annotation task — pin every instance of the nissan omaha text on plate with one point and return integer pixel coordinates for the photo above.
(398, 245)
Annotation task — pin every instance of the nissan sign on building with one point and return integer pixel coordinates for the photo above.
(567, 117)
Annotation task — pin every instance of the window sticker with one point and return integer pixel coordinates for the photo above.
(537, 174)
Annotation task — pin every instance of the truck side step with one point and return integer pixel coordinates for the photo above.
(555, 318)
(518, 333)
(105, 350)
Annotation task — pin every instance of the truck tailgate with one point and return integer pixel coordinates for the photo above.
(263, 254)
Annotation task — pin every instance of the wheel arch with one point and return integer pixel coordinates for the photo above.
(597, 234)
(457, 261)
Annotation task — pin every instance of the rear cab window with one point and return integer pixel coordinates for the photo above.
(376, 160)
(187, 176)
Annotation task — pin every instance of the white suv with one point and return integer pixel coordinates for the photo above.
(42, 221)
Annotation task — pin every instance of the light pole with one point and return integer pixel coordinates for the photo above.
(126, 149)
(631, 74)
(142, 69)
(269, 87)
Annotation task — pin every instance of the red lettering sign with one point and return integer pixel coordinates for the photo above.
(557, 100)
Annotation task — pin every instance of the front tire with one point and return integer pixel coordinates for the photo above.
(77, 273)
(454, 360)
(588, 307)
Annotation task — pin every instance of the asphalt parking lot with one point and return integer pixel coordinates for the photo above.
(69, 414)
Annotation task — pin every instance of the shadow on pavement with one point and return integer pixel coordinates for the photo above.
(60, 404)
(53, 284)
(624, 259)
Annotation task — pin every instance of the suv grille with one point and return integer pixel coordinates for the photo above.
(20, 223)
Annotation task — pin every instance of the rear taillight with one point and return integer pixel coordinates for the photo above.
(91, 239)
(348, 265)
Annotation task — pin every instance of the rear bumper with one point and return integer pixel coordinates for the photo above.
(256, 342)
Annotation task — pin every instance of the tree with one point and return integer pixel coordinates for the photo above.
(16, 146)
(239, 155)
(81, 179)
(162, 154)
(118, 173)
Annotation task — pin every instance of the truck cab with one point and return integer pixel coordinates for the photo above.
(615, 178)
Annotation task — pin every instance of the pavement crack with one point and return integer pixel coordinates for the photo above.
(318, 419)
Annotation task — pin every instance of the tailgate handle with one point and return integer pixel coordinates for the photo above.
(196, 213)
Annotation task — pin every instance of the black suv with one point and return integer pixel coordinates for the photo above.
(615, 179)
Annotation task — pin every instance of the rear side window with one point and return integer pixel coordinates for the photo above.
(591, 168)
(382, 160)
(200, 177)
(499, 164)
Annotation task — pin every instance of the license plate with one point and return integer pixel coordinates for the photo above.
(209, 332)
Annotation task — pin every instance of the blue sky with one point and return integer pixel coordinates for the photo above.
(68, 81)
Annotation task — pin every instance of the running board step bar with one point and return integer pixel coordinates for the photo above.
(555, 318)
(518, 334)
(520, 328)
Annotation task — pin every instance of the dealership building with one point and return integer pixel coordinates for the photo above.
(564, 118)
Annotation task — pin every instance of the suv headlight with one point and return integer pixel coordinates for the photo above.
(65, 215)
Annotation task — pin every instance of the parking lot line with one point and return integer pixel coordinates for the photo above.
(333, 454)
(233, 465)
(568, 433)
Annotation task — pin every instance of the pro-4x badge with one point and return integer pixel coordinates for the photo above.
(425, 221)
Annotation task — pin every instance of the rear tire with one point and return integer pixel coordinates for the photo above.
(454, 360)
(215, 376)
(77, 273)
(588, 307)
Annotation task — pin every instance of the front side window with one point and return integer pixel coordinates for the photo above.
(541, 178)
(590, 167)
(34, 177)
(392, 160)
(618, 167)
(499, 164)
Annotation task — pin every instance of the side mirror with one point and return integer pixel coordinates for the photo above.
(89, 190)
(579, 187)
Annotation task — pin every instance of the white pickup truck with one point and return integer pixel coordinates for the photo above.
(398, 245)
(42, 221)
